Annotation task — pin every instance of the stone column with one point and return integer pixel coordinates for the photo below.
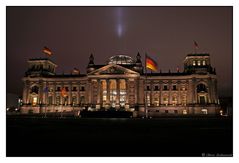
(101, 92)
(40, 102)
(136, 91)
(118, 93)
(209, 91)
(70, 94)
(127, 91)
(54, 94)
(45, 94)
(161, 93)
(190, 92)
(179, 95)
(170, 93)
(78, 94)
(98, 91)
(61, 98)
(141, 93)
(89, 92)
(108, 92)
(28, 90)
(194, 91)
(40, 93)
(25, 92)
(98, 94)
(215, 91)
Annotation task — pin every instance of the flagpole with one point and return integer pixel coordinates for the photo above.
(195, 50)
(145, 88)
(195, 47)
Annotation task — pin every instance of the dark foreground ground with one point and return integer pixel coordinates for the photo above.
(198, 136)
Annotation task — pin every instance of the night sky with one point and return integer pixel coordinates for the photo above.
(73, 33)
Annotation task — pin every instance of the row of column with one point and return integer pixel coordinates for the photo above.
(99, 100)
(43, 96)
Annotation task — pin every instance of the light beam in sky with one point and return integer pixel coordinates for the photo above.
(119, 22)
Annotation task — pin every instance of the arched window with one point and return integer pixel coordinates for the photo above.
(35, 89)
(201, 88)
(34, 101)
(82, 100)
(165, 99)
(194, 63)
(50, 100)
(74, 100)
(199, 63)
(57, 100)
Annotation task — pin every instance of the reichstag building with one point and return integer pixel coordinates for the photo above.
(122, 85)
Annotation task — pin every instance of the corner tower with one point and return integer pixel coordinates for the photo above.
(198, 64)
(40, 67)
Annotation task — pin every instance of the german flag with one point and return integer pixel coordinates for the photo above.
(151, 64)
(47, 51)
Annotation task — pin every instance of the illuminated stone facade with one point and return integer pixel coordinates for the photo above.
(122, 84)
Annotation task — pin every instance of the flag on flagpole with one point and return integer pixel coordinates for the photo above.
(63, 92)
(196, 45)
(47, 51)
(151, 64)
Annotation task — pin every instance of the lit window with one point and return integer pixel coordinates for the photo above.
(165, 100)
(199, 63)
(104, 96)
(183, 88)
(204, 111)
(203, 63)
(148, 99)
(194, 63)
(34, 101)
(185, 112)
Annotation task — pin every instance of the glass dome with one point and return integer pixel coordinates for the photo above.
(121, 60)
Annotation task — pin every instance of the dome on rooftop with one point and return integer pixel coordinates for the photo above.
(121, 60)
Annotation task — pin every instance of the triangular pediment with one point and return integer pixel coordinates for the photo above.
(113, 69)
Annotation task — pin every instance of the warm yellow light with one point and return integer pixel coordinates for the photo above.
(194, 63)
(185, 112)
(34, 101)
(221, 112)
